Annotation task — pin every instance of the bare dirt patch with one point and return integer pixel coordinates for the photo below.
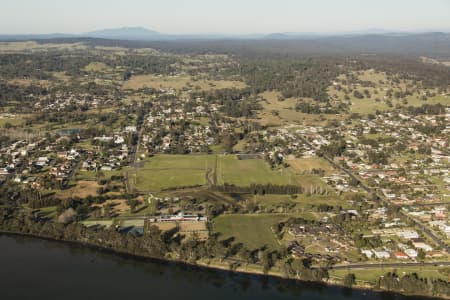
(119, 205)
(82, 190)
(308, 164)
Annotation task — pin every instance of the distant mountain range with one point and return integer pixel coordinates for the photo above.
(124, 33)
(143, 34)
(371, 41)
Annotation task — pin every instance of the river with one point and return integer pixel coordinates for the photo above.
(39, 269)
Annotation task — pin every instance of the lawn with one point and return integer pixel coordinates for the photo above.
(302, 202)
(257, 171)
(252, 171)
(372, 275)
(162, 172)
(157, 180)
(254, 231)
(170, 171)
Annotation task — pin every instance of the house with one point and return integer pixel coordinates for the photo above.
(381, 254)
(435, 254)
(408, 234)
(367, 253)
(400, 255)
(130, 129)
(411, 253)
(422, 245)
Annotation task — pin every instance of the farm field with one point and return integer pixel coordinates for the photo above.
(185, 228)
(300, 203)
(169, 171)
(279, 113)
(251, 171)
(257, 171)
(12, 121)
(378, 94)
(179, 82)
(308, 164)
(254, 231)
(82, 189)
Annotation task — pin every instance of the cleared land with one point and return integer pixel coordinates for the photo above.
(308, 164)
(11, 120)
(171, 171)
(119, 205)
(179, 82)
(97, 67)
(185, 228)
(163, 172)
(279, 113)
(34, 46)
(378, 93)
(251, 171)
(82, 189)
(257, 171)
(254, 231)
(372, 275)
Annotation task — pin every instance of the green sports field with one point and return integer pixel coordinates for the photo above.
(170, 171)
(252, 171)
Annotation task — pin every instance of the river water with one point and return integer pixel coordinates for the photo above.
(38, 269)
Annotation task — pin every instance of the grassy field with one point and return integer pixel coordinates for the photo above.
(372, 275)
(106, 223)
(49, 212)
(257, 171)
(307, 164)
(97, 67)
(382, 85)
(169, 171)
(279, 113)
(156, 180)
(82, 189)
(179, 82)
(29, 45)
(12, 121)
(254, 231)
(246, 172)
(302, 202)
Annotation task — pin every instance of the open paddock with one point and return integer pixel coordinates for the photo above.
(254, 231)
(82, 189)
(162, 172)
(178, 83)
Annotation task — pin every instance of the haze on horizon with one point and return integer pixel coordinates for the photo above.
(226, 17)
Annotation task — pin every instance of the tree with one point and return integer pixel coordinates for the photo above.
(133, 203)
(421, 254)
(349, 279)
(68, 216)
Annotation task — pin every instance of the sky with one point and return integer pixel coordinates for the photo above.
(223, 16)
